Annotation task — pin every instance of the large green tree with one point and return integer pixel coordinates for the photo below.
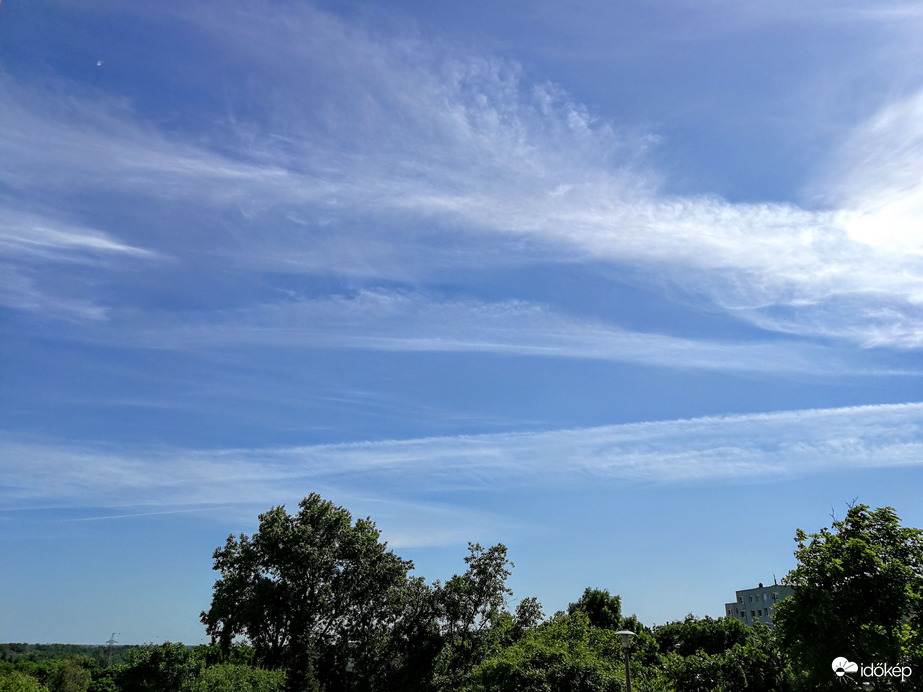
(603, 610)
(858, 594)
(473, 612)
(415, 640)
(312, 592)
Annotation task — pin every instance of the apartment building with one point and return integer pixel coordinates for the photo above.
(756, 605)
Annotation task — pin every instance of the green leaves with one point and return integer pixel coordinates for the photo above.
(858, 594)
(17, 681)
(320, 595)
(312, 592)
(723, 654)
(604, 611)
(229, 677)
(566, 654)
(473, 613)
(164, 668)
(70, 676)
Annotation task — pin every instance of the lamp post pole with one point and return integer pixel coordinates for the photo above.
(626, 636)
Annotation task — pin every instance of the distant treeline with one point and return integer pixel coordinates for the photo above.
(104, 654)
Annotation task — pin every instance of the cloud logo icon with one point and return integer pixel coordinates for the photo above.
(841, 666)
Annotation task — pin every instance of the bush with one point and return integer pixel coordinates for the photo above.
(164, 668)
(70, 676)
(230, 677)
(16, 681)
(565, 654)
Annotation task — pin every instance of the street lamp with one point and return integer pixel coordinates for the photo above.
(626, 636)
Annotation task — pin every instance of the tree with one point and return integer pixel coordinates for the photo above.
(472, 605)
(711, 655)
(603, 610)
(311, 592)
(528, 615)
(167, 667)
(858, 594)
(708, 635)
(415, 639)
(230, 677)
(70, 676)
(566, 654)
(17, 681)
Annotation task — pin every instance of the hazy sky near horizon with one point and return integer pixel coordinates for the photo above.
(635, 288)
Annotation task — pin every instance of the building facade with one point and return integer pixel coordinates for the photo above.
(756, 605)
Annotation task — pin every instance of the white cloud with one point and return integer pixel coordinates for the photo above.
(402, 321)
(31, 244)
(37, 238)
(742, 448)
(23, 292)
(880, 185)
(412, 143)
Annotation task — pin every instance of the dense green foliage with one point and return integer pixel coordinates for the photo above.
(566, 654)
(313, 593)
(472, 609)
(723, 654)
(164, 668)
(12, 680)
(322, 597)
(602, 610)
(70, 676)
(324, 606)
(103, 655)
(231, 677)
(859, 594)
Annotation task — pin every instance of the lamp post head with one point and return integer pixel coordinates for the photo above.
(626, 636)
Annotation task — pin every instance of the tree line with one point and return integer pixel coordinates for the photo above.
(315, 601)
(104, 655)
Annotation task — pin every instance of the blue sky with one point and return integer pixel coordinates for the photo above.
(635, 288)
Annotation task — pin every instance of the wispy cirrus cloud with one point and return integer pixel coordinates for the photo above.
(37, 238)
(31, 243)
(21, 290)
(364, 142)
(403, 321)
(877, 180)
(67, 140)
(741, 448)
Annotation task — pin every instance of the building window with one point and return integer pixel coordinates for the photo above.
(751, 598)
(760, 612)
(753, 613)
